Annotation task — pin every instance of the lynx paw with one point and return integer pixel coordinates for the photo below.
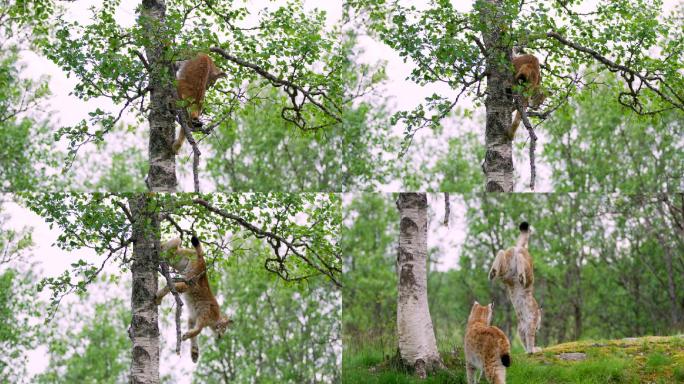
(535, 350)
(185, 337)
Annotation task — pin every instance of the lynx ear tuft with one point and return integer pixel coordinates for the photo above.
(524, 226)
(195, 241)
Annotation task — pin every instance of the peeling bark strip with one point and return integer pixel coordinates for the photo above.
(162, 160)
(144, 328)
(498, 164)
(417, 344)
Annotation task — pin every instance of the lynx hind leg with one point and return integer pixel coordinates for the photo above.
(531, 338)
(471, 373)
(522, 332)
(532, 331)
(500, 375)
(495, 372)
(194, 347)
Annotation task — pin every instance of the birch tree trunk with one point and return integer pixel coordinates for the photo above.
(498, 163)
(162, 173)
(417, 344)
(144, 328)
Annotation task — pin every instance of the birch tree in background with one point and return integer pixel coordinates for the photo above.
(417, 343)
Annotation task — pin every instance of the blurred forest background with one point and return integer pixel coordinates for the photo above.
(282, 331)
(606, 266)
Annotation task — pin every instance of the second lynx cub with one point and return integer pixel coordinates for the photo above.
(486, 347)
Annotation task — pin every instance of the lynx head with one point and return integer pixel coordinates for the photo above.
(221, 325)
(480, 313)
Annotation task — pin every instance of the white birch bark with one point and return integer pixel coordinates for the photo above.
(162, 173)
(417, 344)
(144, 328)
(498, 163)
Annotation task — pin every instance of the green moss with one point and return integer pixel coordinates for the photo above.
(678, 374)
(630, 361)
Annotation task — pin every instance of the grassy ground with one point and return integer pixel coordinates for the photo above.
(639, 361)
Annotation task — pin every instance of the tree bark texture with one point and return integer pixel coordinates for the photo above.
(498, 163)
(144, 328)
(162, 173)
(417, 344)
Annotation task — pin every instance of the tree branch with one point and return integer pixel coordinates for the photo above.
(290, 88)
(627, 73)
(275, 241)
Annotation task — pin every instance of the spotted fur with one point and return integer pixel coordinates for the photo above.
(514, 268)
(486, 347)
(194, 77)
(528, 73)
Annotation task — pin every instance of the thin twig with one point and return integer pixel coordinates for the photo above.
(179, 303)
(533, 139)
(183, 118)
(628, 73)
(275, 241)
(290, 88)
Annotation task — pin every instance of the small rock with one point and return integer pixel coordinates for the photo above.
(572, 356)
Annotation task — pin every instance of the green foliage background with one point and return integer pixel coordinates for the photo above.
(602, 264)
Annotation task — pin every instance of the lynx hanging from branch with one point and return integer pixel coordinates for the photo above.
(204, 311)
(194, 77)
(514, 268)
(527, 75)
